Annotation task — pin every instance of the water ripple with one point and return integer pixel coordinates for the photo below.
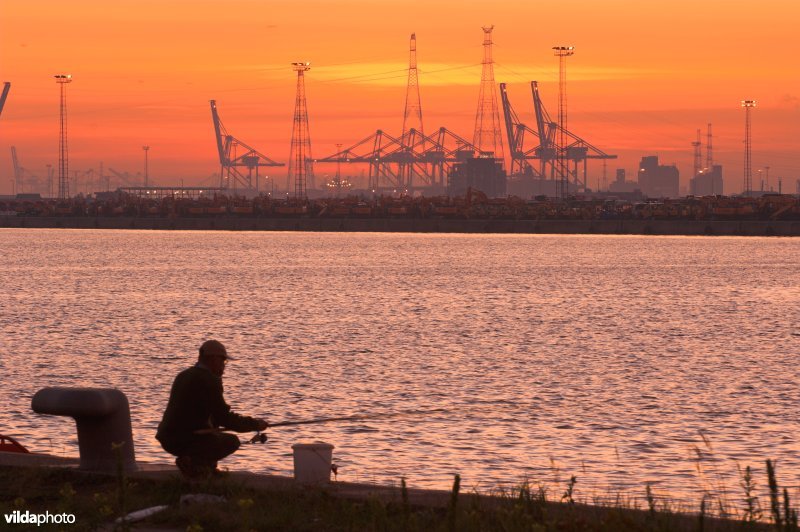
(622, 360)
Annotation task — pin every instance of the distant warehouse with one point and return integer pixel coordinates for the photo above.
(657, 180)
(707, 182)
(484, 173)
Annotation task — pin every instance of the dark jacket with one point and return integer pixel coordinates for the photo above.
(195, 402)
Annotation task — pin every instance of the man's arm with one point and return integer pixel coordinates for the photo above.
(223, 416)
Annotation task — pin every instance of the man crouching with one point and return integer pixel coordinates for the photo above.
(196, 409)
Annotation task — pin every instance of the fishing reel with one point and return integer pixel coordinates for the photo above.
(260, 437)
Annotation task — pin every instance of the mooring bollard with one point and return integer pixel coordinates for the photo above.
(103, 418)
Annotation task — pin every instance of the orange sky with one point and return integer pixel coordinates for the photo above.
(644, 78)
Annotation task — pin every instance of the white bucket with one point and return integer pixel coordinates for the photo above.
(312, 462)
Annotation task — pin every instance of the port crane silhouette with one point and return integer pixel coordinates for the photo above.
(231, 164)
(553, 159)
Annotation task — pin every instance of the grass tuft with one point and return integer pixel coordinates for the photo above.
(95, 500)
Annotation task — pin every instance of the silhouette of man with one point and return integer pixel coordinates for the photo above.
(195, 411)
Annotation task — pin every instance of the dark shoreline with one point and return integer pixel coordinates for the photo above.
(249, 502)
(416, 225)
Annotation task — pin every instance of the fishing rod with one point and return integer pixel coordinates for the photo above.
(261, 437)
(360, 417)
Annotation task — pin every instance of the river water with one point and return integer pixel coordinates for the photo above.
(622, 360)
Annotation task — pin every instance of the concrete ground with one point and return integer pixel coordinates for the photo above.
(350, 490)
(347, 490)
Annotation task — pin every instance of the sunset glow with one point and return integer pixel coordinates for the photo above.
(644, 77)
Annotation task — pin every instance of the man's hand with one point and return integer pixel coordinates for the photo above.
(261, 424)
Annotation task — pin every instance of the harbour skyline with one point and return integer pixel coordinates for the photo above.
(642, 80)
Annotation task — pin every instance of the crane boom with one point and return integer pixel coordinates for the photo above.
(230, 162)
(220, 133)
(540, 112)
(17, 171)
(123, 177)
(515, 130)
(6, 88)
(15, 161)
(510, 120)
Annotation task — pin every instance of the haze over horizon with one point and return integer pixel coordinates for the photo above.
(643, 79)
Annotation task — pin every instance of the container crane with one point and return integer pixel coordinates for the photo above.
(24, 180)
(230, 163)
(432, 157)
(515, 131)
(547, 151)
(575, 149)
(124, 177)
(17, 171)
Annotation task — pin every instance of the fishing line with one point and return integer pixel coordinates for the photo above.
(261, 437)
(358, 417)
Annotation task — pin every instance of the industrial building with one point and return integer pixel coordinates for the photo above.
(657, 180)
(707, 182)
(485, 174)
(620, 185)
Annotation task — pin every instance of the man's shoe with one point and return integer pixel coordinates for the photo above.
(209, 473)
(185, 466)
(218, 473)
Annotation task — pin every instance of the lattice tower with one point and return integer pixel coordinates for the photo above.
(338, 164)
(487, 137)
(50, 172)
(63, 148)
(562, 52)
(146, 149)
(301, 165)
(337, 181)
(697, 155)
(748, 166)
(412, 116)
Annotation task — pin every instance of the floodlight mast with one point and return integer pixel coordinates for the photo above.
(146, 170)
(562, 52)
(63, 149)
(301, 165)
(748, 166)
